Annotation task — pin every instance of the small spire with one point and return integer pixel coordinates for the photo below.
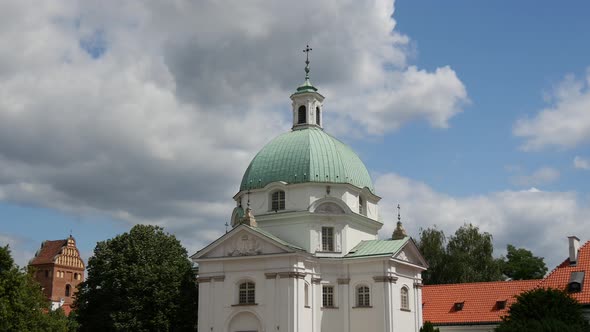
(226, 224)
(306, 86)
(248, 204)
(306, 51)
(399, 232)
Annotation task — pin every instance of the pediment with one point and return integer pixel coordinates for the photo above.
(410, 254)
(242, 241)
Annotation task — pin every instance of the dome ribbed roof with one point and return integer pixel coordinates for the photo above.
(306, 155)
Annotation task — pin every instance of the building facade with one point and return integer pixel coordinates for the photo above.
(303, 252)
(59, 269)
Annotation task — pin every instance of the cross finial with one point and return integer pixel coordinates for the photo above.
(306, 51)
(226, 226)
(248, 205)
(399, 218)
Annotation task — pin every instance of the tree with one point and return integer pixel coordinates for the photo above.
(428, 327)
(520, 264)
(23, 307)
(138, 281)
(467, 256)
(470, 254)
(544, 310)
(432, 246)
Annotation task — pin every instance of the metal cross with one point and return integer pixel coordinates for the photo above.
(307, 50)
(399, 218)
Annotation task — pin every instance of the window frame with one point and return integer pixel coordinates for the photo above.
(328, 297)
(280, 201)
(328, 239)
(361, 204)
(301, 115)
(68, 290)
(247, 294)
(404, 297)
(363, 296)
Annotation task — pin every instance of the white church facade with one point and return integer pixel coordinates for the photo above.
(303, 252)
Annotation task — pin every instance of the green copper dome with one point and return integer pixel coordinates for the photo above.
(306, 155)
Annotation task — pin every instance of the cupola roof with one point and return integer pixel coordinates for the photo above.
(306, 155)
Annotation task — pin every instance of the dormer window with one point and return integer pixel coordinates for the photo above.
(500, 304)
(277, 200)
(576, 282)
(458, 306)
(301, 115)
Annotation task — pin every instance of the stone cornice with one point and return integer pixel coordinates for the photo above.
(385, 279)
(298, 275)
(343, 281)
(271, 275)
(316, 280)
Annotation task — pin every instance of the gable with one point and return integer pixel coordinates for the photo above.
(410, 254)
(243, 241)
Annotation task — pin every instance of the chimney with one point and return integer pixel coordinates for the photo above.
(574, 248)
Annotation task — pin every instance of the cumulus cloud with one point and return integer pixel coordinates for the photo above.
(150, 112)
(543, 175)
(565, 123)
(19, 248)
(581, 163)
(537, 220)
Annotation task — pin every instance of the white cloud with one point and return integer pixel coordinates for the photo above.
(537, 220)
(543, 175)
(565, 124)
(581, 163)
(151, 111)
(19, 248)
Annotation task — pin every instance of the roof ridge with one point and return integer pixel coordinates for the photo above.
(556, 268)
(487, 282)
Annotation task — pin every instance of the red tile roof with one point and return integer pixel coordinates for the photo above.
(48, 251)
(479, 301)
(560, 277)
(480, 298)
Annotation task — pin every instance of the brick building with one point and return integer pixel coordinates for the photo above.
(59, 269)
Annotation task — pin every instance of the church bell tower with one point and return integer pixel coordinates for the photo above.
(307, 102)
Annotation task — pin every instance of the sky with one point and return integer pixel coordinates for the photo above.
(114, 114)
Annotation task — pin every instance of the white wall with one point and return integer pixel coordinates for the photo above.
(280, 300)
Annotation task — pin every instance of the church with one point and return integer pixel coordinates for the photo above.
(303, 252)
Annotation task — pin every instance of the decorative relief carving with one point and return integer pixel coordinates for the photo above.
(402, 256)
(245, 246)
(329, 208)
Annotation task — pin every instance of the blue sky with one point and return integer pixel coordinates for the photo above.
(104, 130)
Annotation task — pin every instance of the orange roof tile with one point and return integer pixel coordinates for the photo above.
(48, 251)
(560, 277)
(479, 301)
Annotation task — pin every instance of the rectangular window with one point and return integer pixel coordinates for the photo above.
(247, 293)
(328, 296)
(278, 201)
(327, 238)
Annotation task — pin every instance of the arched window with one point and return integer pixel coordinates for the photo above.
(363, 296)
(317, 116)
(301, 113)
(278, 200)
(405, 300)
(68, 290)
(247, 293)
(361, 205)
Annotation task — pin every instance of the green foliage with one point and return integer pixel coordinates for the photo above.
(432, 246)
(23, 307)
(544, 310)
(520, 264)
(138, 281)
(467, 257)
(428, 327)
